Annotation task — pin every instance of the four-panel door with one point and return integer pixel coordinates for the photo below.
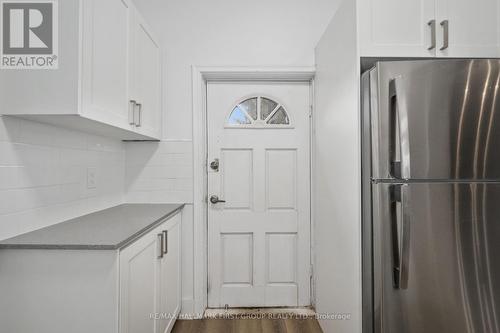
(150, 280)
(429, 28)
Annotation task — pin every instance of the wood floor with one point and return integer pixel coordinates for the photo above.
(309, 325)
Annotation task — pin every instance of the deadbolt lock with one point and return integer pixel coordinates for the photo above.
(214, 165)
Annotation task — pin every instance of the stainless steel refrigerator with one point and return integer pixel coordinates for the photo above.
(431, 196)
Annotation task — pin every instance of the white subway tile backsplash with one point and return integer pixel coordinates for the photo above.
(9, 128)
(159, 172)
(160, 196)
(173, 147)
(43, 174)
(37, 134)
(98, 143)
(183, 184)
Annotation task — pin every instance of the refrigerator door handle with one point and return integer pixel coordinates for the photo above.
(400, 236)
(405, 237)
(399, 119)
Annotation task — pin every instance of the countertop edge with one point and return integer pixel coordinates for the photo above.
(123, 244)
(92, 247)
(57, 247)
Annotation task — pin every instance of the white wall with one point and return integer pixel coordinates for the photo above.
(338, 176)
(229, 33)
(43, 175)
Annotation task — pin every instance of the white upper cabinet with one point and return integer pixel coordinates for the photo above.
(473, 28)
(429, 28)
(107, 59)
(399, 28)
(145, 79)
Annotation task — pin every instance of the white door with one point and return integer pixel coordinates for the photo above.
(106, 27)
(473, 28)
(259, 245)
(146, 78)
(397, 28)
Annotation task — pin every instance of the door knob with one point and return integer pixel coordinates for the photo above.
(215, 199)
(214, 165)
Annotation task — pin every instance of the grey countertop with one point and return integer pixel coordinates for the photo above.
(108, 229)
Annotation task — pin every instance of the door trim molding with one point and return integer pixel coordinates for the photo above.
(200, 76)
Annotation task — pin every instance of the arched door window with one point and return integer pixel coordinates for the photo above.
(259, 112)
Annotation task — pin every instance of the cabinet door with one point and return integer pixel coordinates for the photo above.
(170, 299)
(473, 28)
(396, 28)
(146, 78)
(105, 61)
(140, 267)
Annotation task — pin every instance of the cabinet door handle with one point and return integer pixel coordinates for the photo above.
(160, 245)
(432, 25)
(165, 240)
(139, 115)
(131, 112)
(446, 34)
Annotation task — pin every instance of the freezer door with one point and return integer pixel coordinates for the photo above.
(435, 258)
(436, 119)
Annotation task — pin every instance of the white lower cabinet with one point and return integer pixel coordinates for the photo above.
(170, 275)
(139, 285)
(131, 290)
(150, 281)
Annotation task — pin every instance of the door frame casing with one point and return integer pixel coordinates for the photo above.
(200, 78)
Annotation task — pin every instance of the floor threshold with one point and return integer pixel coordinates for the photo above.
(299, 312)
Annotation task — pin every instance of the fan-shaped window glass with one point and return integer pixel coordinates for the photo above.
(250, 107)
(279, 117)
(258, 112)
(238, 117)
(267, 106)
